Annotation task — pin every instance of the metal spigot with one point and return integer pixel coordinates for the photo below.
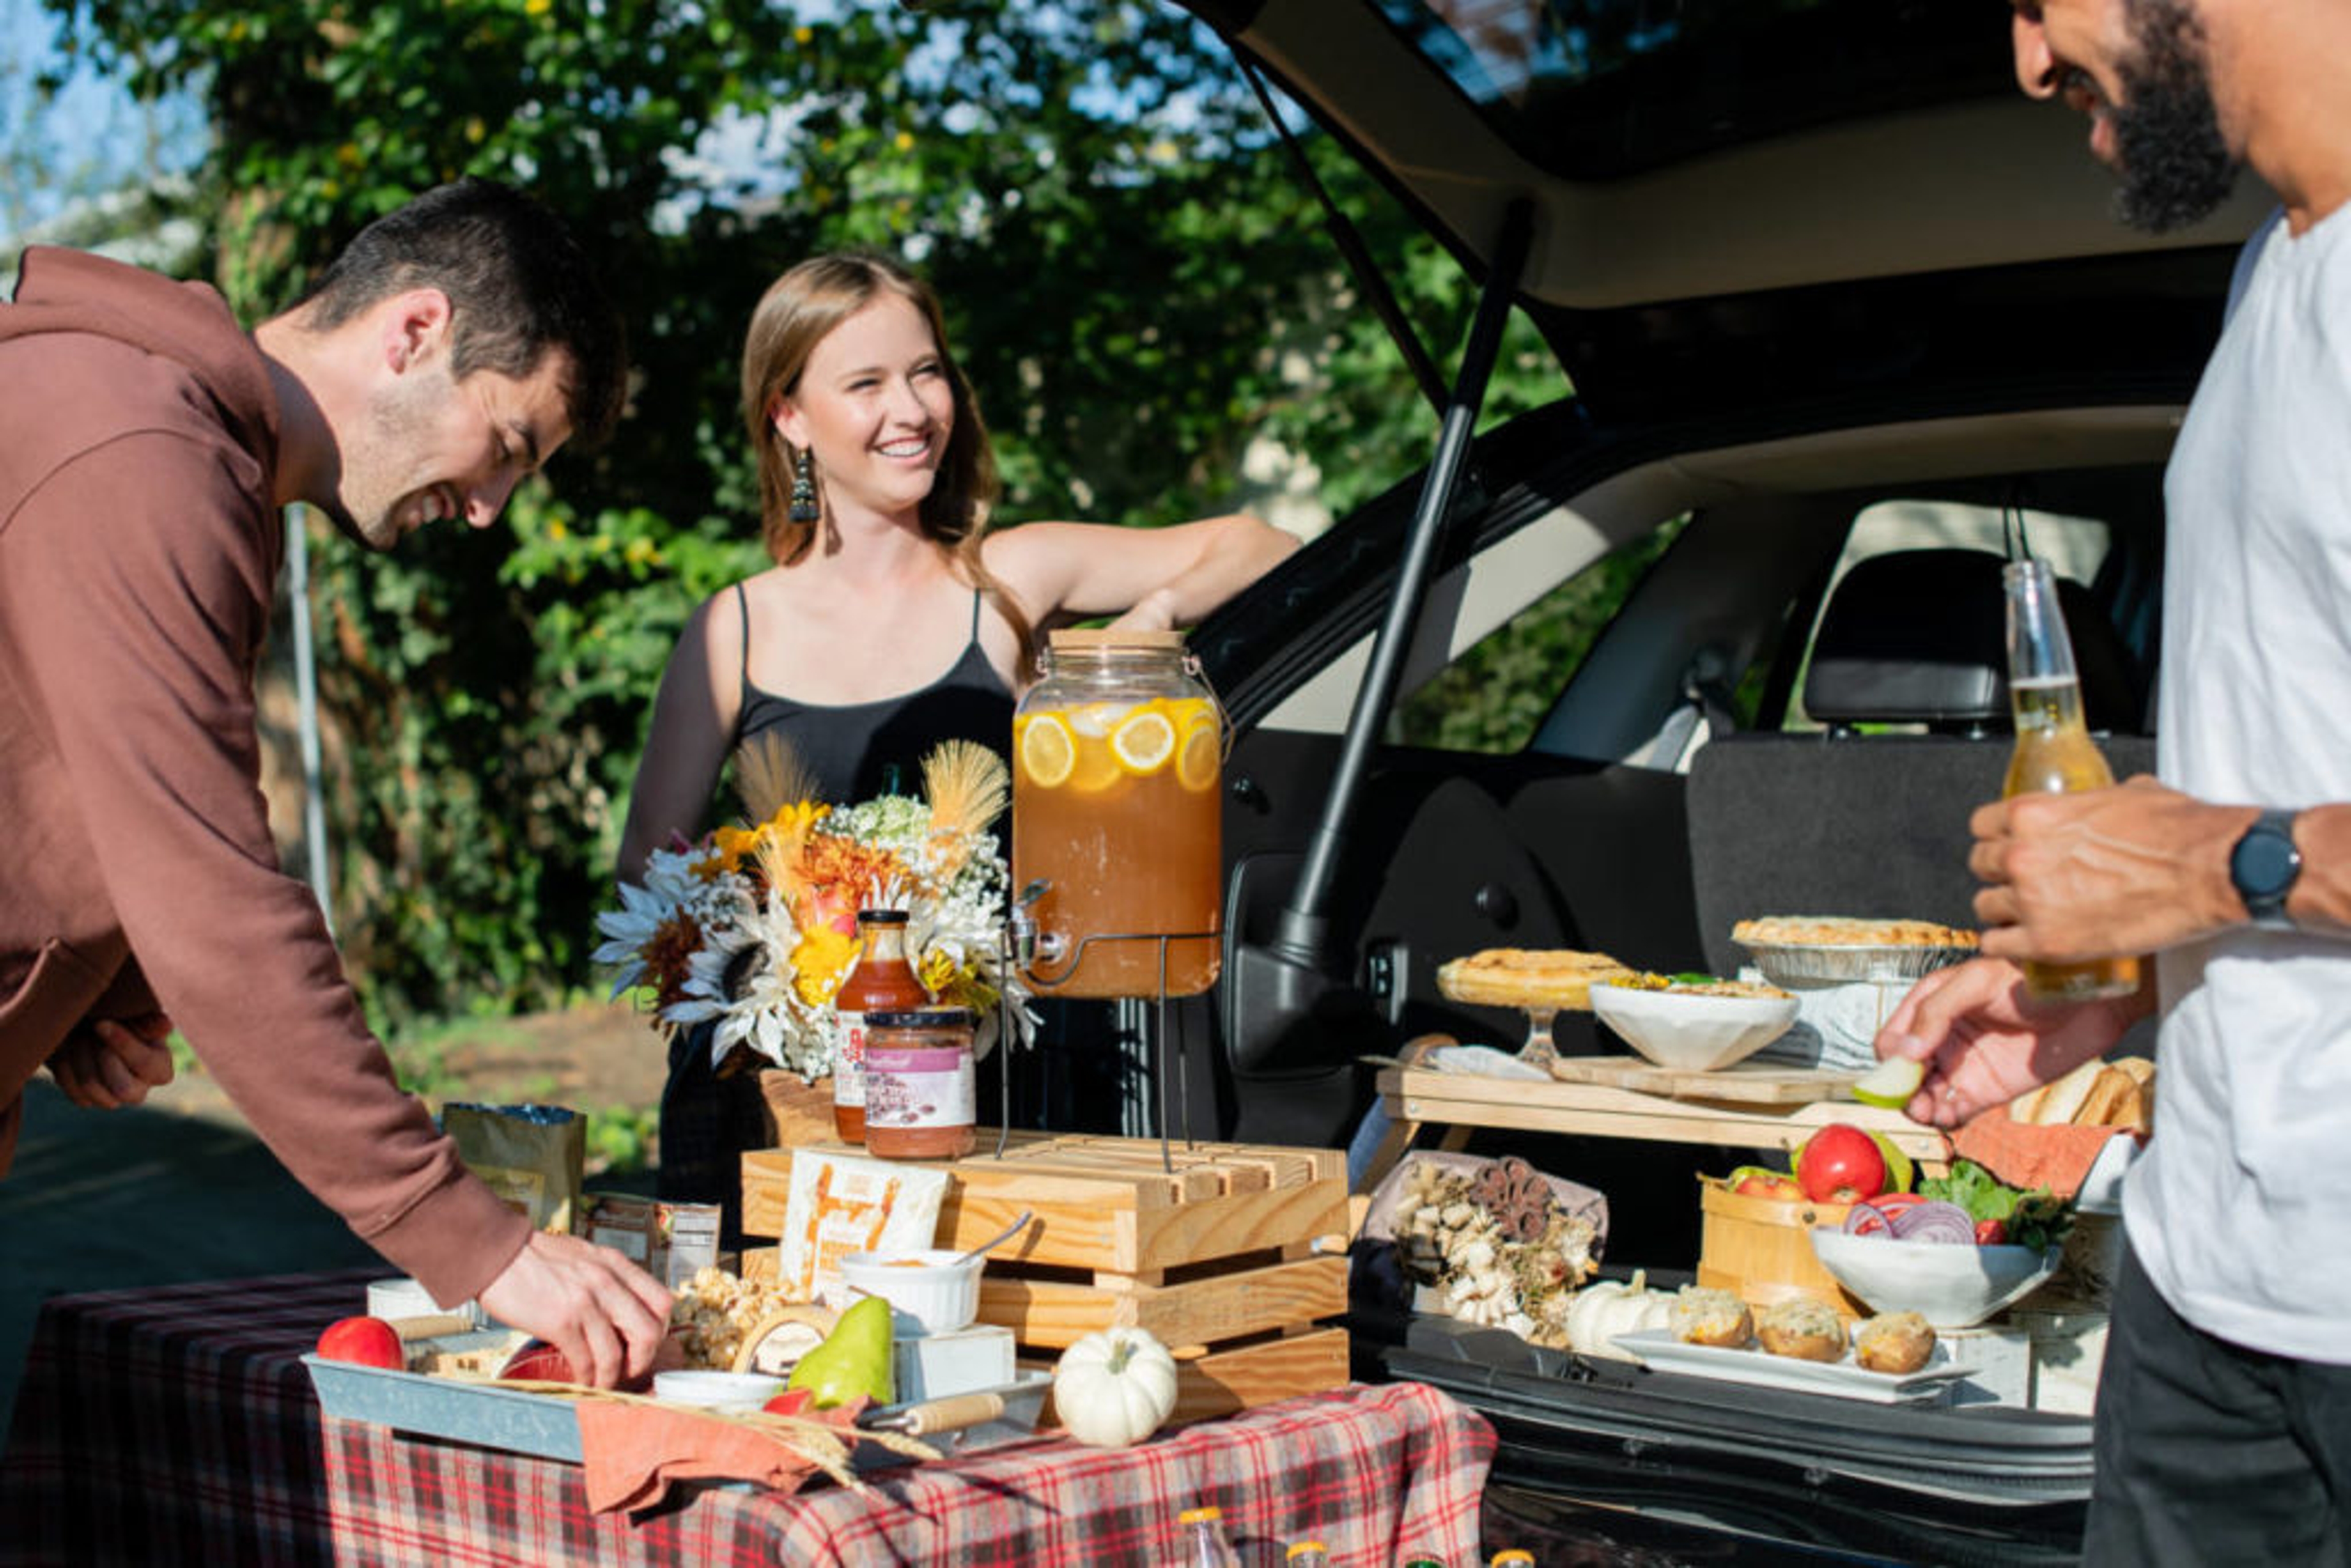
(1021, 936)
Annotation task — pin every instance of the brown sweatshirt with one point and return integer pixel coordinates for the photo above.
(139, 541)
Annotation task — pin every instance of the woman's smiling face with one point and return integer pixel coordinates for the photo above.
(875, 405)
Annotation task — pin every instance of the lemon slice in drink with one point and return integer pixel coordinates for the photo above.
(1143, 741)
(1198, 759)
(1890, 1083)
(1047, 752)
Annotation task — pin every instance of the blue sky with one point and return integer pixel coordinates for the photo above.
(90, 138)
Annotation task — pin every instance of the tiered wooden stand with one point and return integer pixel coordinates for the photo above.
(1232, 1260)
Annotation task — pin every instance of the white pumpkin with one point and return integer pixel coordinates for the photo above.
(1601, 1311)
(1114, 1388)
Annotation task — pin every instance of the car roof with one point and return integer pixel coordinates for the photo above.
(1708, 148)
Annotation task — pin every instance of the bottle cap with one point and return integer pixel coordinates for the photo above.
(1303, 1547)
(882, 916)
(1200, 1515)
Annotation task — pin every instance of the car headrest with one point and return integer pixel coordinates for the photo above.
(1921, 637)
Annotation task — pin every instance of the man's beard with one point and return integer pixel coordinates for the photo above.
(2176, 167)
(362, 506)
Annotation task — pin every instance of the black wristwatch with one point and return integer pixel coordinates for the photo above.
(2263, 867)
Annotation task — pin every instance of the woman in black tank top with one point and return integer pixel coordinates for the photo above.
(876, 478)
(857, 750)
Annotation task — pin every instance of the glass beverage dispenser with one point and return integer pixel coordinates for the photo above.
(1119, 757)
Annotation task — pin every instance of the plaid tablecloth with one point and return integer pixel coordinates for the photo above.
(175, 1425)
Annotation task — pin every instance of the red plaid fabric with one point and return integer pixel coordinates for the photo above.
(187, 1432)
(173, 1425)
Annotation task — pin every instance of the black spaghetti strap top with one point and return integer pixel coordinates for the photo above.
(857, 750)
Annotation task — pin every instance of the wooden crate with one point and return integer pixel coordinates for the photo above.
(1760, 1249)
(1230, 1258)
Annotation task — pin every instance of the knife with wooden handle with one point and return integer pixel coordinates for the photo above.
(949, 1414)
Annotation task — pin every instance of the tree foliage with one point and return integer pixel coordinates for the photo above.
(1133, 275)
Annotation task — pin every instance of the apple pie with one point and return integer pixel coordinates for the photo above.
(1526, 978)
(1844, 931)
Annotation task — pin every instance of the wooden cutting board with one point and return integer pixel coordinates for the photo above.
(1747, 1082)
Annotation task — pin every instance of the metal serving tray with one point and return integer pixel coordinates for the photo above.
(547, 1426)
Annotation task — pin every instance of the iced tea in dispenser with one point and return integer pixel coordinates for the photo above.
(1118, 757)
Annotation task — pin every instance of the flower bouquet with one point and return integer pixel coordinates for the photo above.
(755, 927)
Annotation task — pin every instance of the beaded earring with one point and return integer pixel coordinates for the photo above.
(804, 488)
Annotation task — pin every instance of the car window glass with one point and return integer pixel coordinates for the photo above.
(2075, 547)
(1492, 697)
(1600, 89)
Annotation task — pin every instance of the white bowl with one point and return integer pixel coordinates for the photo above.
(716, 1390)
(1689, 1031)
(926, 1292)
(1949, 1285)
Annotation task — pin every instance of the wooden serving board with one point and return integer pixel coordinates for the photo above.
(1743, 1082)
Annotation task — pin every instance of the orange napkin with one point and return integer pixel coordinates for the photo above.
(633, 1453)
(2025, 1157)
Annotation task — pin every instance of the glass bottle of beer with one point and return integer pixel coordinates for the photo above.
(2053, 751)
(1204, 1543)
(882, 980)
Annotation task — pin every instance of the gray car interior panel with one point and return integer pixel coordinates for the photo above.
(1837, 822)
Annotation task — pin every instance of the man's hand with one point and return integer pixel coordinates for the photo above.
(108, 1063)
(2103, 873)
(1985, 1042)
(604, 1314)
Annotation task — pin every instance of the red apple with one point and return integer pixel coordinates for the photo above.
(539, 1362)
(1841, 1164)
(1755, 1181)
(368, 1341)
(791, 1401)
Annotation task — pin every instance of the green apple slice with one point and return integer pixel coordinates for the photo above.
(1891, 1082)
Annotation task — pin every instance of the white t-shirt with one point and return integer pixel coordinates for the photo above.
(2238, 1211)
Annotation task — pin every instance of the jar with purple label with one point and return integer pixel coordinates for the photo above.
(920, 1097)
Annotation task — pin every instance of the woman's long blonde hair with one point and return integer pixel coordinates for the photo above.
(795, 315)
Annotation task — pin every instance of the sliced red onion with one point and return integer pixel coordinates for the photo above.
(1934, 1221)
(1865, 1218)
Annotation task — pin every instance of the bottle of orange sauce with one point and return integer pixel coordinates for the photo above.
(882, 980)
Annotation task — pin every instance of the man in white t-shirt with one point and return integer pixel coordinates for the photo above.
(2224, 1415)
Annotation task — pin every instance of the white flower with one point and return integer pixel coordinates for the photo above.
(671, 889)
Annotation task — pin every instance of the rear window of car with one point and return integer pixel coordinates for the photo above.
(1596, 90)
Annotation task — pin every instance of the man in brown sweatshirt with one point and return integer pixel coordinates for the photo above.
(150, 447)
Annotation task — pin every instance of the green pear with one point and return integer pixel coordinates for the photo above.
(1899, 1172)
(854, 1359)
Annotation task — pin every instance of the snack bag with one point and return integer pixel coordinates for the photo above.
(670, 1241)
(531, 1155)
(841, 1203)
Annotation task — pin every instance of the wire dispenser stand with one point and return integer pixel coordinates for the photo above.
(1023, 947)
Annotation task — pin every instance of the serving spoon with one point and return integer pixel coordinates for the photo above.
(1018, 1225)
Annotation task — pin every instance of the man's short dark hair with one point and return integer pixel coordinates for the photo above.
(518, 283)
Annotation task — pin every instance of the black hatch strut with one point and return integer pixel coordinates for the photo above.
(1279, 987)
(1350, 241)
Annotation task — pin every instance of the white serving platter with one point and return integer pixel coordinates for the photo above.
(1659, 1349)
